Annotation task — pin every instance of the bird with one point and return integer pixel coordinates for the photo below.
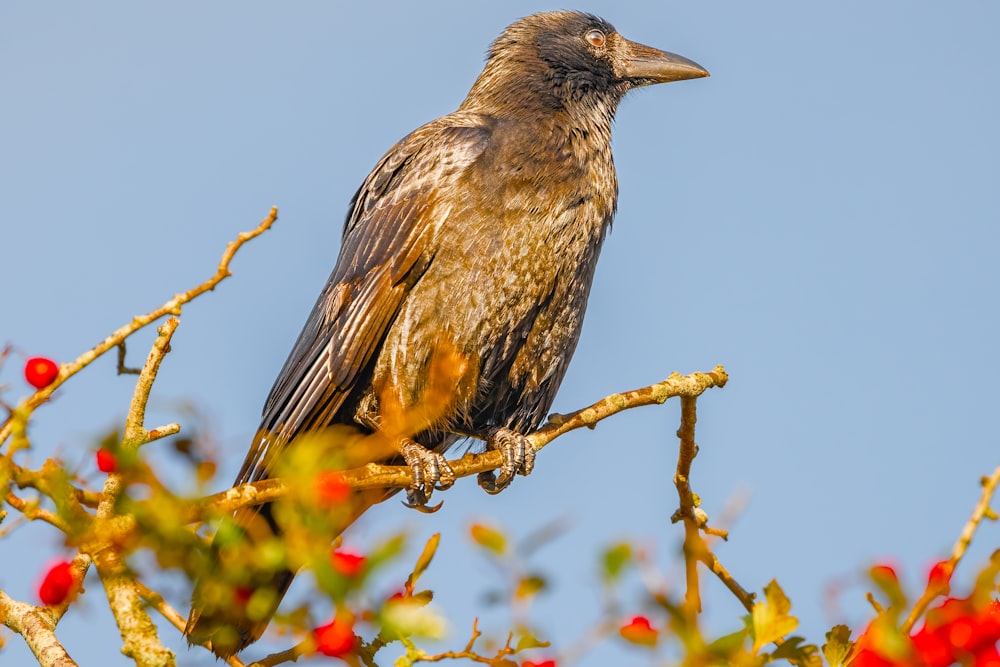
(477, 233)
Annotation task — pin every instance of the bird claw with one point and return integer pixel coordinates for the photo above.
(416, 500)
(518, 459)
(430, 471)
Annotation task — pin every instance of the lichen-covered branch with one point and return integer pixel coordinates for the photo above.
(37, 626)
(138, 632)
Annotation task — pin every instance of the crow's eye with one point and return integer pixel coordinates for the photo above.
(595, 37)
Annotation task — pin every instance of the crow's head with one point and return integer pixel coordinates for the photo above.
(569, 60)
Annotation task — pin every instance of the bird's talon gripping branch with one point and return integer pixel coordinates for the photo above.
(518, 458)
(430, 471)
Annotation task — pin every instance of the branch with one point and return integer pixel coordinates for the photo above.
(171, 307)
(377, 476)
(982, 510)
(156, 601)
(138, 632)
(709, 559)
(32, 512)
(288, 655)
(694, 545)
(37, 626)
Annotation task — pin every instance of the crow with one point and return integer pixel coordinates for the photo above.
(478, 233)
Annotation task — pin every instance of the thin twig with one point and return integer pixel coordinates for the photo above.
(709, 559)
(171, 307)
(288, 655)
(32, 512)
(981, 510)
(694, 545)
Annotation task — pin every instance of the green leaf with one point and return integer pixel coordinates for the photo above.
(529, 585)
(424, 560)
(838, 645)
(771, 619)
(386, 550)
(797, 653)
(405, 619)
(528, 640)
(614, 560)
(728, 644)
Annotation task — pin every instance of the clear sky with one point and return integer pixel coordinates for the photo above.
(820, 216)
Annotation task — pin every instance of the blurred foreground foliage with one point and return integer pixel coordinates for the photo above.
(129, 525)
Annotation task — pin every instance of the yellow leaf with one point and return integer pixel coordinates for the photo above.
(838, 645)
(489, 538)
(771, 619)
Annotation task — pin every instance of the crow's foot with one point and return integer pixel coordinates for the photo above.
(430, 471)
(518, 458)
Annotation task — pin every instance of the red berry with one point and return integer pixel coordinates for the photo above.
(346, 563)
(40, 372)
(640, 631)
(106, 461)
(543, 663)
(332, 488)
(57, 584)
(336, 638)
(988, 657)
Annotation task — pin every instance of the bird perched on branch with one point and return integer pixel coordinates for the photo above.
(478, 233)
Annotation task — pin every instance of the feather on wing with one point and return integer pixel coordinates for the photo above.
(388, 242)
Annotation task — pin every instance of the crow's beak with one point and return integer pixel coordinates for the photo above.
(646, 65)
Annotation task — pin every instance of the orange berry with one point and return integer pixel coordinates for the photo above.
(640, 631)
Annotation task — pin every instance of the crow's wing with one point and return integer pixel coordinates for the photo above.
(388, 243)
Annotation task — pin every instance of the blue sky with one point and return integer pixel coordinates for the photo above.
(820, 216)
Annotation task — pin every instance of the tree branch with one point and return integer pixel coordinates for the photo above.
(982, 510)
(138, 632)
(173, 306)
(37, 626)
(377, 476)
